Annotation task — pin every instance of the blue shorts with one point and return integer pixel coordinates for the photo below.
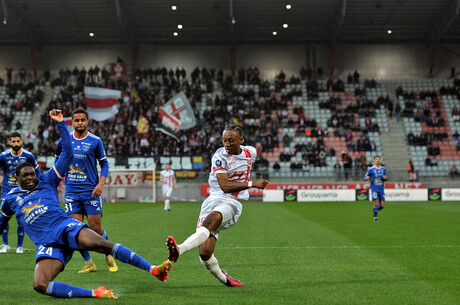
(83, 203)
(380, 195)
(62, 242)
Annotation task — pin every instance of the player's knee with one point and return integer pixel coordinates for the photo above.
(205, 256)
(41, 286)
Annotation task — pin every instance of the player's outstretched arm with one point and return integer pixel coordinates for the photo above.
(260, 184)
(66, 156)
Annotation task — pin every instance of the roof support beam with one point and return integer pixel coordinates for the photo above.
(445, 21)
(337, 24)
(126, 24)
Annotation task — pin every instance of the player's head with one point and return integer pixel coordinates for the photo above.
(26, 176)
(378, 160)
(79, 120)
(167, 166)
(232, 138)
(15, 140)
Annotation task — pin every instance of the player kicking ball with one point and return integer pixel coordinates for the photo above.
(378, 175)
(56, 235)
(229, 183)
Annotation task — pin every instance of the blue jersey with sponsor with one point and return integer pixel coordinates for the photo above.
(376, 174)
(39, 210)
(8, 163)
(82, 175)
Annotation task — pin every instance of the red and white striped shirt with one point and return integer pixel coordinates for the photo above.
(237, 167)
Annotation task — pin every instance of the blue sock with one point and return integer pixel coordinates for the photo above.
(376, 210)
(63, 290)
(380, 207)
(125, 255)
(5, 234)
(104, 235)
(20, 231)
(86, 255)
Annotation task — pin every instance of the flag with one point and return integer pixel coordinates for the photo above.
(135, 95)
(68, 122)
(180, 108)
(101, 103)
(168, 124)
(235, 121)
(142, 124)
(193, 141)
(118, 69)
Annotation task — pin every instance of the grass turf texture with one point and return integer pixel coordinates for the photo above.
(285, 253)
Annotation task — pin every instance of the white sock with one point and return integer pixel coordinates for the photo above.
(196, 239)
(212, 265)
(167, 206)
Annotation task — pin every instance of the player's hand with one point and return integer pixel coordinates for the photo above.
(56, 115)
(384, 177)
(97, 191)
(260, 184)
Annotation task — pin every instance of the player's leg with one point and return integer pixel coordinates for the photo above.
(167, 207)
(210, 223)
(90, 266)
(21, 234)
(74, 208)
(50, 262)
(93, 208)
(5, 247)
(167, 191)
(95, 223)
(210, 262)
(87, 239)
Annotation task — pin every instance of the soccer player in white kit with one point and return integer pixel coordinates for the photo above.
(229, 183)
(168, 178)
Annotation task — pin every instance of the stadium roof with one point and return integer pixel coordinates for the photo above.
(45, 22)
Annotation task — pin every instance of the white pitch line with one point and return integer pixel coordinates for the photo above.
(335, 247)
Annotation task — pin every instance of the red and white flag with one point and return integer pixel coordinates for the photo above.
(68, 122)
(101, 103)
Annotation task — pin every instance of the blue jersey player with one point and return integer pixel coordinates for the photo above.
(378, 175)
(83, 187)
(36, 204)
(9, 159)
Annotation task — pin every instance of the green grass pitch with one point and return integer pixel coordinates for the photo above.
(285, 253)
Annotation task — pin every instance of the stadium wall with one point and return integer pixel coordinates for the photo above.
(379, 61)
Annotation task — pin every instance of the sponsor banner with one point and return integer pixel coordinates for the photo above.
(338, 186)
(129, 179)
(434, 195)
(273, 196)
(290, 195)
(404, 195)
(326, 195)
(450, 194)
(362, 195)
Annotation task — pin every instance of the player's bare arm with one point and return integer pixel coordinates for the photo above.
(228, 186)
(97, 191)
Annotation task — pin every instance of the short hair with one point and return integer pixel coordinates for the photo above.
(21, 166)
(80, 111)
(236, 128)
(14, 134)
(377, 157)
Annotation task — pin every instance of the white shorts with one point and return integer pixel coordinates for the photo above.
(229, 208)
(167, 191)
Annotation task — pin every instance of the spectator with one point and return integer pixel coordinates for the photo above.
(337, 170)
(453, 171)
(411, 167)
(398, 111)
